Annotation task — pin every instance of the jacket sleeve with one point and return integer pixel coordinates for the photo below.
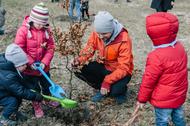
(88, 51)
(49, 51)
(21, 40)
(125, 61)
(152, 73)
(18, 90)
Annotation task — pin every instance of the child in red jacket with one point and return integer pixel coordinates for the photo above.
(165, 81)
(34, 38)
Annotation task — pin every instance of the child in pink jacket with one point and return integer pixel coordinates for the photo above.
(35, 39)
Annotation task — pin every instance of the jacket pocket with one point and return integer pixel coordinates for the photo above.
(111, 54)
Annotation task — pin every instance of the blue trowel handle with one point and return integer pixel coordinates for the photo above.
(37, 65)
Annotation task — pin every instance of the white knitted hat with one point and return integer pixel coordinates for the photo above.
(39, 14)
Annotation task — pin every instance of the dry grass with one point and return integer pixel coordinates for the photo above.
(107, 113)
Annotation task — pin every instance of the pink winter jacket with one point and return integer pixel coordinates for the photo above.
(38, 45)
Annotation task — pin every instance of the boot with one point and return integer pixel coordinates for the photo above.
(37, 109)
(21, 117)
(97, 97)
(120, 99)
(53, 104)
(7, 122)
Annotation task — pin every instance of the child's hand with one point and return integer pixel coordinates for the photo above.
(39, 97)
(33, 67)
(42, 65)
(172, 3)
(140, 105)
(44, 45)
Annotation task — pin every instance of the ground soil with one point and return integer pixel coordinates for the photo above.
(106, 113)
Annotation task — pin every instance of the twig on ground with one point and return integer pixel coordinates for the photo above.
(135, 114)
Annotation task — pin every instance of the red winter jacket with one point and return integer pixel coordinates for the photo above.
(165, 80)
(38, 47)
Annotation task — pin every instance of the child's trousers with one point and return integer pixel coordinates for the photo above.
(94, 74)
(85, 11)
(37, 83)
(163, 116)
(10, 106)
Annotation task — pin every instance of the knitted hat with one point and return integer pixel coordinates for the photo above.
(16, 55)
(39, 14)
(103, 22)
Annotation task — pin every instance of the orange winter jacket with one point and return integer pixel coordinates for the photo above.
(117, 55)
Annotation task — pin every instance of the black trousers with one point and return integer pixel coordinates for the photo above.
(94, 74)
(38, 83)
(85, 11)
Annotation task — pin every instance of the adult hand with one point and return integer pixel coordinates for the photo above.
(75, 62)
(140, 105)
(104, 91)
(105, 88)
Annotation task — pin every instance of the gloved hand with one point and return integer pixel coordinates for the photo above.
(39, 97)
(42, 65)
(105, 88)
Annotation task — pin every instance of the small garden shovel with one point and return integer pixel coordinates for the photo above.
(56, 90)
(65, 102)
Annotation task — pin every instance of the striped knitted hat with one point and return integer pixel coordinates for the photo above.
(39, 14)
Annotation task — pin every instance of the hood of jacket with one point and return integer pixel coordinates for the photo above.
(5, 64)
(162, 28)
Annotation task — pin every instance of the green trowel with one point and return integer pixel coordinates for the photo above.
(65, 102)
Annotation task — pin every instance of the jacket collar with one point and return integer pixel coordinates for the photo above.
(120, 37)
(165, 45)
